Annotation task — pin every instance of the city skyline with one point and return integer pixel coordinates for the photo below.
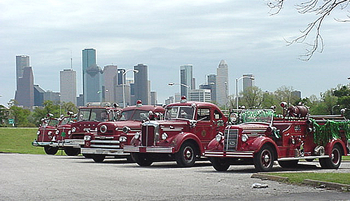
(167, 34)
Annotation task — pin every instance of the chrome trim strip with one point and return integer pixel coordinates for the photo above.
(96, 151)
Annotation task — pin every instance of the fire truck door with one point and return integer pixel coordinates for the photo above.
(205, 128)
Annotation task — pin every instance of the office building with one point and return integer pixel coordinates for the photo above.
(186, 79)
(248, 81)
(222, 84)
(141, 84)
(68, 86)
(25, 88)
(92, 77)
(22, 61)
(38, 96)
(110, 74)
(202, 95)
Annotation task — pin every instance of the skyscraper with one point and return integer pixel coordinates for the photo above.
(110, 74)
(68, 86)
(25, 88)
(248, 81)
(186, 79)
(92, 79)
(21, 62)
(141, 84)
(222, 83)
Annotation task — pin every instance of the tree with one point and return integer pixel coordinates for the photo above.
(20, 116)
(321, 9)
(252, 97)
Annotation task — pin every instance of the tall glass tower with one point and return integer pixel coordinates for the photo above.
(186, 79)
(141, 84)
(92, 77)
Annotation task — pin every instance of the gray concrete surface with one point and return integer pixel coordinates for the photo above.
(44, 177)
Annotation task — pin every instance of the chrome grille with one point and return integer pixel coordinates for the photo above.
(231, 139)
(149, 132)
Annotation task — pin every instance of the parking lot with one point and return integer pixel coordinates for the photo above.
(47, 177)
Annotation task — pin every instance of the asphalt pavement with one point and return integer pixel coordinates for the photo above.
(47, 177)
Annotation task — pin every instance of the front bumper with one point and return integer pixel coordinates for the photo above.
(153, 149)
(40, 144)
(74, 143)
(235, 154)
(100, 151)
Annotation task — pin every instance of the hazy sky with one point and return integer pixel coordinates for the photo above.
(165, 34)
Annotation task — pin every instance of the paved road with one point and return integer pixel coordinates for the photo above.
(44, 177)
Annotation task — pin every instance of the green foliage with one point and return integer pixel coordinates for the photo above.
(20, 115)
(330, 130)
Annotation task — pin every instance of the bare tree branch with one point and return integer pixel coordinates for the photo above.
(322, 10)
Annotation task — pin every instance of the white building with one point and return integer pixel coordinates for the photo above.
(222, 84)
(68, 86)
(202, 95)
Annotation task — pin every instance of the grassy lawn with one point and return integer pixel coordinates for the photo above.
(298, 178)
(19, 140)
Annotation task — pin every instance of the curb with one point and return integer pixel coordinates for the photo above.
(309, 182)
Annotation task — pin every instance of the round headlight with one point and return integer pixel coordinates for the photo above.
(103, 128)
(218, 137)
(164, 136)
(49, 133)
(57, 132)
(122, 139)
(69, 132)
(74, 129)
(38, 133)
(244, 138)
(137, 135)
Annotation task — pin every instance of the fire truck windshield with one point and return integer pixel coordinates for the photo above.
(179, 112)
(94, 114)
(134, 115)
(263, 116)
(52, 122)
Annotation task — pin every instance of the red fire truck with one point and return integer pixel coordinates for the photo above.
(183, 135)
(87, 120)
(261, 137)
(111, 136)
(46, 133)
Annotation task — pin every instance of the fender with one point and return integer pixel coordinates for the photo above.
(262, 140)
(331, 144)
(182, 137)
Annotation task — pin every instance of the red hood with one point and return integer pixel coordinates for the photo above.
(121, 124)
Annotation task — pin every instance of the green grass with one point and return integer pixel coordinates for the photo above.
(346, 158)
(19, 140)
(298, 178)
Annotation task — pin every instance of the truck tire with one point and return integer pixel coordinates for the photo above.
(288, 164)
(263, 159)
(71, 151)
(98, 158)
(220, 164)
(142, 159)
(186, 156)
(334, 160)
(50, 150)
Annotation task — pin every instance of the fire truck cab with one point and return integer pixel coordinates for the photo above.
(72, 137)
(183, 135)
(261, 137)
(112, 135)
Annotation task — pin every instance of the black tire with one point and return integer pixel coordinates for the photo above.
(263, 159)
(220, 164)
(50, 150)
(130, 159)
(288, 164)
(186, 156)
(72, 151)
(98, 158)
(310, 160)
(142, 159)
(334, 160)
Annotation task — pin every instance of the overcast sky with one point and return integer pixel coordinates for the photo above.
(165, 34)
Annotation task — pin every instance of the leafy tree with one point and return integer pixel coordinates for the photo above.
(20, 116)
(321, 9)
(3, 115)
(252, 97)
